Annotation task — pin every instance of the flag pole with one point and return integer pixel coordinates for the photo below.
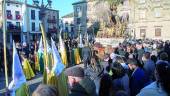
(45, 49)
(44, 40)
(4, 41)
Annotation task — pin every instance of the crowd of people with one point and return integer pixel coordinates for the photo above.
(133, 68)
(28, 53)
(137, 68)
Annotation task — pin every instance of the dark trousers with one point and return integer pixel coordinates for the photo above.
(86, 62)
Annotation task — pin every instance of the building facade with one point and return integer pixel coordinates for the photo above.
(68, 25)
(23, 21)
(151, 18)
(13, 21)
(145, 18)
(51, 23)
(80, 17)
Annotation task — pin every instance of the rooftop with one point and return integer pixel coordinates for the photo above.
(79, 2)
(69, 15)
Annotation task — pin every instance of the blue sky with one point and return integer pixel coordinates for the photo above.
(64, 6)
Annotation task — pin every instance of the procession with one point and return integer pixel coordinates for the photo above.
(88, 52)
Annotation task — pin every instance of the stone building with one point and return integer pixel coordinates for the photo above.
(68, 25)
(151, 18)
(144, 18)
(80, 17)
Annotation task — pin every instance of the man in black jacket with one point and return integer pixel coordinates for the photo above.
(78, 83)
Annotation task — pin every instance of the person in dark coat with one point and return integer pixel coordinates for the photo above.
(105, 85)
(138, 79)
(167, 49)
(86, 54)
(149, 66)
(140, 52)
(78, 83)
(25, 49)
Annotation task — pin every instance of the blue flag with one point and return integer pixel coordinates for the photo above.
(18, 77)
(58, 65)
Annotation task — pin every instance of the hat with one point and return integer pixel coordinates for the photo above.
(75, 71)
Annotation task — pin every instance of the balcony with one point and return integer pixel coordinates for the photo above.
(52, 30)
(9, 16)
(13, 28)
(52, 20)
(18, 17)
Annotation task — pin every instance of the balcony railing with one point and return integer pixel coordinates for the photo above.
(18, 17)
(52, 21)
(13, 28)
(9, 16)
(52, 30)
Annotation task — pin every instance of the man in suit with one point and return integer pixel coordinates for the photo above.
(138, 78)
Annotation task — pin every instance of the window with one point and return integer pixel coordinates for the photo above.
(80, 14)
(33, 14)
(78, 9)
(157, 12)
(17, 15)
(16, 12)
(53, 17)
(142, 1)
(142, 32)
(142, 14)
(8, 4)
(157, 32)
(78, 20)
(18, 24)
(9, 24)
(39, 14)
(8, 11)
(39, 26)
(33, 26)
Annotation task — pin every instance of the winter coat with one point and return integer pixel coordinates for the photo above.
(86, 87)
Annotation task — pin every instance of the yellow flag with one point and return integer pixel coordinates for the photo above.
(63, 52)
